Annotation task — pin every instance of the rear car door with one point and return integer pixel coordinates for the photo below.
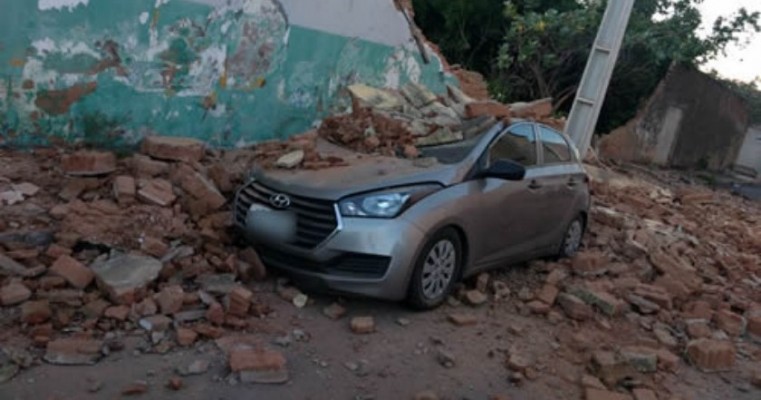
(506, 211)
(560, 176)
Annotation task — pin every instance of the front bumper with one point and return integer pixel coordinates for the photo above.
(368, 257)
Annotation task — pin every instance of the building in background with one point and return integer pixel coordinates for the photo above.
(691, 121)
(229, 72)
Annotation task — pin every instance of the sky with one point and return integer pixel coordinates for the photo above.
(742, 62)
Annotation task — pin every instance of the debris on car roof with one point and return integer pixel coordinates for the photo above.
(395, 123)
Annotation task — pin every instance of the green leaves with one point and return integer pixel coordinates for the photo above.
(530, 49)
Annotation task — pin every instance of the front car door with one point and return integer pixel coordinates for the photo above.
(506, 212)
(562, 179)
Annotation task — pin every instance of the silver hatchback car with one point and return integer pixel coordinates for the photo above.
(399, 229)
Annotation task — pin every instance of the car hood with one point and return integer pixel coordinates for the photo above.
(363, 173)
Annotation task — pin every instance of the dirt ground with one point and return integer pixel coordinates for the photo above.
(396, 362)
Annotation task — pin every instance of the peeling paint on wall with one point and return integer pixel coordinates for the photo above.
(231, 72)
(59, 4)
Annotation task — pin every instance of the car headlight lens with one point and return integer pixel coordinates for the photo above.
(386, 204)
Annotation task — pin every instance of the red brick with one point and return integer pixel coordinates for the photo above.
(754, 325)
(73, 271)
(698, 310)
(538, 307)
(259, 365)
(537, 109)
(731, 323)
(88, 163)
(462, 319)
(156, 191)
(644, 394)
(74, 351)
(145, 167)
(154, 247)
(362, 325)
(597, 394)
(574, 307)
(14, 293)
(199, 187)
(698, 329)
(239, 301)
(711, 355)
(174, 383)
(170, 299)
(548, 294)
(334, 311)
(55, 251)
(186, 337)
(125, 189)
(135, 388)
(590, 263)
(35, 312)
(487, 108)
(755, 380)
(667, 360)
(258, 271)
(119, 313)
(156, 323)
(655, 294)
(173, 148)
(215, 314)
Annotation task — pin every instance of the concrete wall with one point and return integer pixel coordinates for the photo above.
(230, 72)
(750, 152)
(692, 121)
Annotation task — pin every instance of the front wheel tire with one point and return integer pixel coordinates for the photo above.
(437, 270)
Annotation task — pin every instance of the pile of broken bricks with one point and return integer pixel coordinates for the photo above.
(94, 247)
(396, 123)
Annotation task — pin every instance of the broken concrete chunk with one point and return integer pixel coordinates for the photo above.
(441, 136)
(378, 99)
(291, 160)
(27, 189)
(173, 148)
(418, 95)
(125, 277)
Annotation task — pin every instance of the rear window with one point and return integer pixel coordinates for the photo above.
(554, 147)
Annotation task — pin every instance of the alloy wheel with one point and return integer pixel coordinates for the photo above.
(439, 269)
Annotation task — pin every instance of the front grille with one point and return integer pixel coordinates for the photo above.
(351, 265)
(316, 219)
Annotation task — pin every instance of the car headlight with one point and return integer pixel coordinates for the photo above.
(386, 204)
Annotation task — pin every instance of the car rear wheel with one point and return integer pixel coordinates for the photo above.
(436, 270)
(572, 239)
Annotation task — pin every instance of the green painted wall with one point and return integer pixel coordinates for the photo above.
(109, 72)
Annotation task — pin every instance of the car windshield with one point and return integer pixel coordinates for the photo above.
(452, 153)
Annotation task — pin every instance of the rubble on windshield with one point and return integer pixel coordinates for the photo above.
(396, 123)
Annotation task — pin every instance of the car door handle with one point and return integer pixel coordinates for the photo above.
(534, 185)
(572, 182)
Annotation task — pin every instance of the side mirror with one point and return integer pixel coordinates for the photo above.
(507, 170)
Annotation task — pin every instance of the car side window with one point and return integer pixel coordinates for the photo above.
(554, 147)
(518, 144)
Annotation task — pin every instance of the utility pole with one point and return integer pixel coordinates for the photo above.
(594, 84)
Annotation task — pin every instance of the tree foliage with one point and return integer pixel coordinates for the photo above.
(538, 48)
